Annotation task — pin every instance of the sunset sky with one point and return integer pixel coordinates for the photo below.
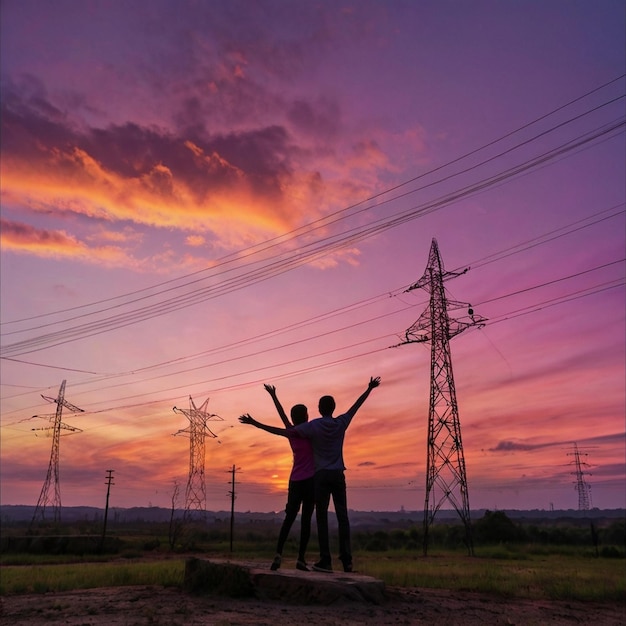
(202, 197)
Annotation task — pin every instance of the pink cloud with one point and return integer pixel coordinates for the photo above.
(21, 237)
(195, 240)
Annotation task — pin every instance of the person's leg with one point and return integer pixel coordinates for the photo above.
(308, 504)
(341, 510)
(322, 499)
(291, 511)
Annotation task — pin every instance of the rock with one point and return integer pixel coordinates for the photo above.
(239, 580)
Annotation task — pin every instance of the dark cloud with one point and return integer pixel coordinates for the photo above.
(615, 438)
(20, 233)
(258, 158)
(395, 466)
(18, 470)
(28, 130)
(191, 117)
(29, 91)
(605, 470)
(512, 446)
(322, 120)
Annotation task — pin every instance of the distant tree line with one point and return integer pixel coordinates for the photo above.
(607, 537)
(496, 528)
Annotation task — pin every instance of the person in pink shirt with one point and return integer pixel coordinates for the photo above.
(301, 484)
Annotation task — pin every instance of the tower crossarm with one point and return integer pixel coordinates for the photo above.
(424, 281)
(65, 403)
(61, 426)
(424, 329)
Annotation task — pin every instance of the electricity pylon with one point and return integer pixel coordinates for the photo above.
(52, 477)
(195, 494)
(583, 488)
(446, 478)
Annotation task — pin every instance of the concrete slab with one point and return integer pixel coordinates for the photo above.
(244, 579)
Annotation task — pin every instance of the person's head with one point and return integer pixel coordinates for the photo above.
(299, 414)
(326, 405)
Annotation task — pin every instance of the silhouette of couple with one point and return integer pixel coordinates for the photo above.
(316, 475)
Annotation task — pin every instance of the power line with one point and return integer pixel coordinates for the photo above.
(294, 373)
(322, 220)
(506, 316)
(557, 233)
(553, 282)
(275, 268)
(312, 250)
(535, 308)
(562, 231)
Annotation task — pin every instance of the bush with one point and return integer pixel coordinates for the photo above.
(614, 534)
(151, 545)
(611, 552)
(379, 542)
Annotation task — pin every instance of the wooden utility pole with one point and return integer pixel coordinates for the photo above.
(232, 507)
(108, 483)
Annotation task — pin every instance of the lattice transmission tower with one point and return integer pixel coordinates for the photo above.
(446, 479)
(51, 491)
(197, 431)
(583, 488)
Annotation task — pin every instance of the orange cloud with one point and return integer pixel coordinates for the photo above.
(195, 241)
(223, 192)
(127, 235)
(333, 259)
(22, 237)
(240, 187)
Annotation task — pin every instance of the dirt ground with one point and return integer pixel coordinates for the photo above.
(143, 605)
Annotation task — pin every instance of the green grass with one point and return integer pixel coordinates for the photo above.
(553, 577)
(564, 575)
(69, 576)
(25, 558)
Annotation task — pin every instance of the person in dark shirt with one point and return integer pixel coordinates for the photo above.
(327, 433)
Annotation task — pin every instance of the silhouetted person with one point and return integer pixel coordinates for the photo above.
(326, 433)
(300, 491)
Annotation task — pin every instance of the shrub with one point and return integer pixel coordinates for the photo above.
(151, 545)
(496, 527)
(611, 552)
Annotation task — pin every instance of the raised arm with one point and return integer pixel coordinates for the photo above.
(279, 407)
(248, 419)
(374, 382)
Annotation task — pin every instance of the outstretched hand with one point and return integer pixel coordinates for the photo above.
(246, 419)
(270, 389)
(374, 382)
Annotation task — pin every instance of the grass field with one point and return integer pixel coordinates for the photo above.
(521, 575)
(538, 561)
(553, 577)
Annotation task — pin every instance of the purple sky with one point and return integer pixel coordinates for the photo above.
(201, 197)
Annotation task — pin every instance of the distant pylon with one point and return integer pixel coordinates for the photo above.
(583, 488)
(195, 494)
(446, 478)
(52, 477)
